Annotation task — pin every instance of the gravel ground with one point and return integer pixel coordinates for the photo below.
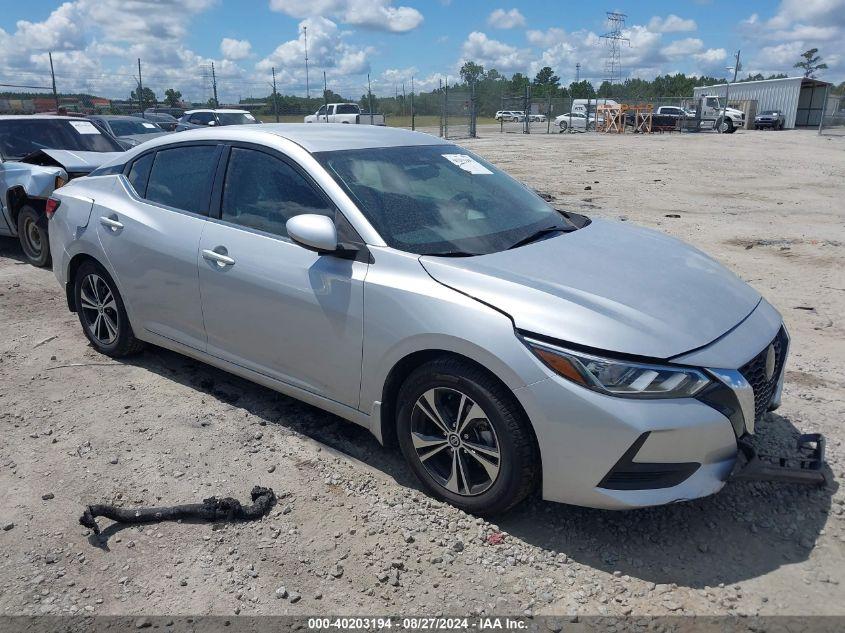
(352, 533)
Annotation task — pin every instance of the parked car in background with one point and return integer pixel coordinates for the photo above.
(174, 112)
(537, 118)
(513, 116)
(674, 111)
(164, 121)
(771, 119)
(574, 121)
(403, 283)
(128, 130)
(193, 119)
(344, 113)
(39, 154)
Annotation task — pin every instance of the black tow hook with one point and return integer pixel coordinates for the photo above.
(211, 509)
(803, 468)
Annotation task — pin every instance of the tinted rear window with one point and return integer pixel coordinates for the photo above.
(181, 177)
(21, 137)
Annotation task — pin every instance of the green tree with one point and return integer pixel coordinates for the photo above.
(546, 77)
(172, 97)
(518, 83)
(811, 63)
(471, 72)
(147, 96)
(582, 90)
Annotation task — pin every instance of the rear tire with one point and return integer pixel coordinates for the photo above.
(102, 313)
(483, 456)
(33, 236)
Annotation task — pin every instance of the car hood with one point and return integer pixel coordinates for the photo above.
(609, 286)
(72, 162)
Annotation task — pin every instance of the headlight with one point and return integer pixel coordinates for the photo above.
(620, 378)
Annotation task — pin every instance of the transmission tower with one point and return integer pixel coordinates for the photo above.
(613, 41)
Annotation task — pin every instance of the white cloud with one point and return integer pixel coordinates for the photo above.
(327, 50)
(494, 54)
(547, 38)
(682, 48)
(235, 49)
(671, 24)
(374, 14)
(501, 19)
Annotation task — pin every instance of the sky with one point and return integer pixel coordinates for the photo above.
(96, 43)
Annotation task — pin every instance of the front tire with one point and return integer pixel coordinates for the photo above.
(465, 437)
(33, 237)
(563, 126)
(102, 313)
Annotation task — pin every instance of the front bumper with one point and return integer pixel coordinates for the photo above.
(618, 453)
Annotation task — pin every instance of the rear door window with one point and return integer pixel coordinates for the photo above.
(181, 177)
(139, 172)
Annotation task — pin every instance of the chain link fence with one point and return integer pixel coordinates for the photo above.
(833, 118)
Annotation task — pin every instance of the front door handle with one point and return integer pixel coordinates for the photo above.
(219, 258)
(111, 223)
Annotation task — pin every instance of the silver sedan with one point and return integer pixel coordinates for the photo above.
(405, 284)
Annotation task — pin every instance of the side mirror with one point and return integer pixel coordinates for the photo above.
(212, 122)
(314, 232)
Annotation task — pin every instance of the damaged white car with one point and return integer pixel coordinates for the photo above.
(39, 154)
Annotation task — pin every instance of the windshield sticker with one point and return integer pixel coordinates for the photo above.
(149, 125)
(467, 163)
(84, 127)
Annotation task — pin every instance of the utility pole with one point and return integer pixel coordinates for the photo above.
(403, 98)
(326, 96)
(578, 72)
(140, 89)
(307, 88)
(53, 75)
(727, 91)
(214, 86)
(413, 126)
(275, 96)
(369, 94)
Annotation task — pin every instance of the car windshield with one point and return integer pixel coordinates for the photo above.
(125, 127)
(440, 199)
(235, 118)
(23, 136)
(770, 112)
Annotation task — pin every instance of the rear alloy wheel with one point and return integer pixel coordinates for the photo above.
(465, 437)
(33, 237)
(102, 313)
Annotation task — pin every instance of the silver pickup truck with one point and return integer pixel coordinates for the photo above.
(39, 154)
(344, 113)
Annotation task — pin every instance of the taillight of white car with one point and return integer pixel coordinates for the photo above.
(51, 206)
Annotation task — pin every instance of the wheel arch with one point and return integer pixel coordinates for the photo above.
(16, 199)
(73, 266)
(405, 366)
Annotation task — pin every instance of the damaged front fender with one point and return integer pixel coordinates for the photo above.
(22, 181)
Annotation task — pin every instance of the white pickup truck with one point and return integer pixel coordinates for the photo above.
(344, 113)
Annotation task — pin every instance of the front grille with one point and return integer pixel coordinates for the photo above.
(754, 372)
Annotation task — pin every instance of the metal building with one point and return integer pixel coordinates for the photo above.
(801, 100)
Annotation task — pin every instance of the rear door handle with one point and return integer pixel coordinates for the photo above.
(111, 223)
(218, 258)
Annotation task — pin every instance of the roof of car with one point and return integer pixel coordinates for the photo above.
(30, 117)
(217, 110)
(114, 117)
(313, 137)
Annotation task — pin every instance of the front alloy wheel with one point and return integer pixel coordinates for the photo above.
(455, 442)
(33, 237)
(465, 436)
